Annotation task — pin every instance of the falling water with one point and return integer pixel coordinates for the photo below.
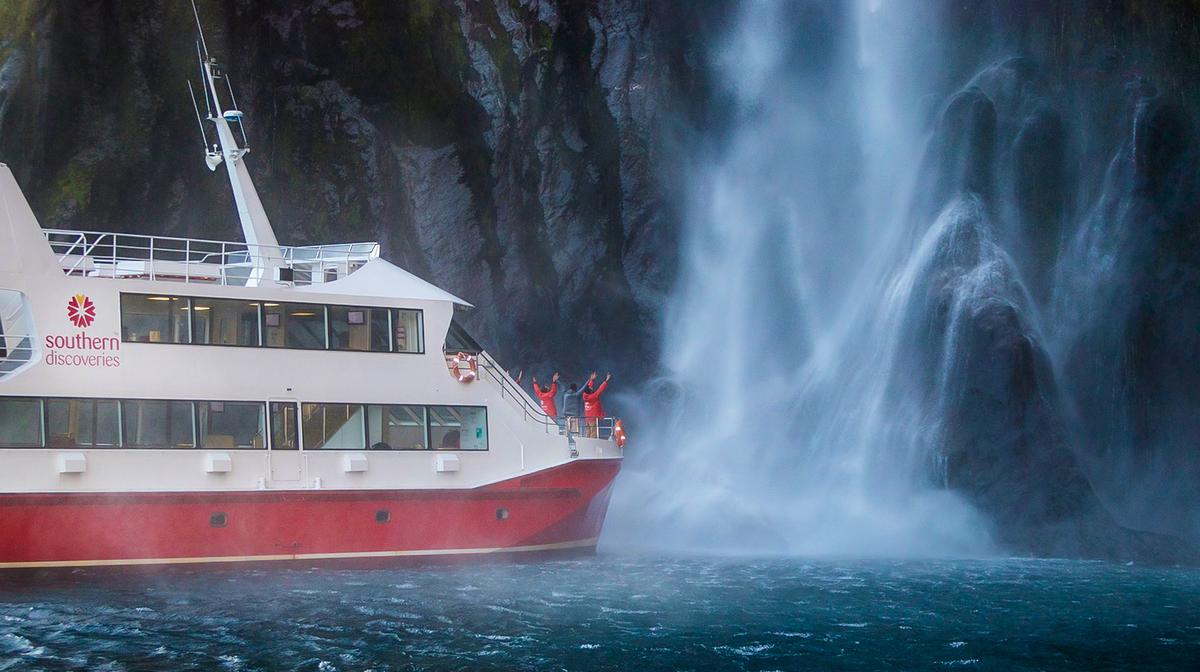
(789, 426)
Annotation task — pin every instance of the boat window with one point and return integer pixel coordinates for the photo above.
(232, 424)
(225, 322)
(159, 424)
(283, 426)
(154, 319)
(408, 331)
(396, 427)
(20, 422)
(363, 329)
(207, 321)
(294, 325)
(83, 423)
(333, 426)
(458, 340)
(458, 428)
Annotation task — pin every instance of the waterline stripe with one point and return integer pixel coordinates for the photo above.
(561, 545)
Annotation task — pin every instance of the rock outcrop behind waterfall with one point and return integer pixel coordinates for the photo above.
(996, 419)
(1051, 461)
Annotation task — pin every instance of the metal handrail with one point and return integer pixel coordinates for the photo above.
(126, 255)
(532, 411)
(507, 386)
(24, 344)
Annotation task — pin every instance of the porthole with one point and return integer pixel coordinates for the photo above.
(383, 516)
(501, 514)
(218, 519)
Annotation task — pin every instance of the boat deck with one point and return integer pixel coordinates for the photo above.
(193, 260)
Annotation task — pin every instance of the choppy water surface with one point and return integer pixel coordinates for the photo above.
(612, 612)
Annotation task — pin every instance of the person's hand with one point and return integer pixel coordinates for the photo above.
(608, 378)
(535, 381)
(592, 377)
(554, 379)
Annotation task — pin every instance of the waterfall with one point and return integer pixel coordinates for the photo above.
(785, 421)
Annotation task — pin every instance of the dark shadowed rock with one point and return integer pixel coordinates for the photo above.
(961, 155)
(1040, 189)
(1160, 137)
(1132, 326)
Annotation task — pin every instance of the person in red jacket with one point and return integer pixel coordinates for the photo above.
(593, 410)
(546, 395)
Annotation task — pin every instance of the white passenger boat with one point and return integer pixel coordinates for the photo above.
(168, 400)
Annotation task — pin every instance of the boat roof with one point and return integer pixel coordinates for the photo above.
(383, 279)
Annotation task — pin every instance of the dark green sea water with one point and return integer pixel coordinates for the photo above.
(612, 612)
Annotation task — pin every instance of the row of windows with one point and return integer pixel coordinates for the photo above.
(111, 423)
(177, 319)
(392, 427)
(128, 423)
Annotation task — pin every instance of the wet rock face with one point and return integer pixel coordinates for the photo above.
(1011, 279)
(1132, 327)
(508, 151)
(988, 390)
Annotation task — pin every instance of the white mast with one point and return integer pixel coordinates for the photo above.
(264, 249)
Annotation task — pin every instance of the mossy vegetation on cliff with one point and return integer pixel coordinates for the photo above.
(16, 24)
(73, 188)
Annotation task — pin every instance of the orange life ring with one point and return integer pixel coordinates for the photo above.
(464, 367)
(619, 434)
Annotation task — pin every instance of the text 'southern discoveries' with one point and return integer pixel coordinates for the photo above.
(98, 351)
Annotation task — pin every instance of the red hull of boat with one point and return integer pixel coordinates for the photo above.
(556, 510)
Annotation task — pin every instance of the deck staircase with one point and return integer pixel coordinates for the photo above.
(19, 348)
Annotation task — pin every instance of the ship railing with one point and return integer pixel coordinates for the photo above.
(15, 351)
(493, 372)
(196, 260)
(531, 411)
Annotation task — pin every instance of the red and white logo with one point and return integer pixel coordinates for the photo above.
(81, 311)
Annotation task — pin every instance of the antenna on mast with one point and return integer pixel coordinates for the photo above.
(199, 28)
(211, 156)
(203, 78)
